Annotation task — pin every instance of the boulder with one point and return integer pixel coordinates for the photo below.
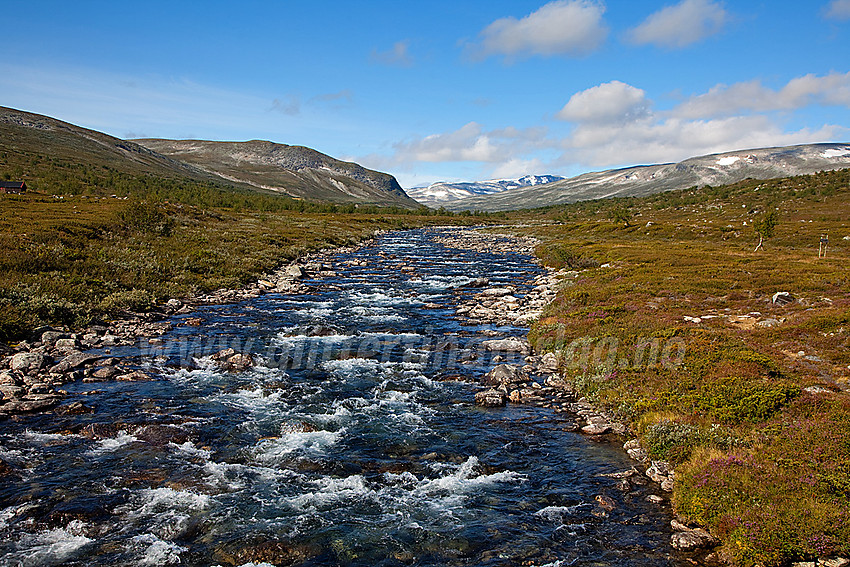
(73, 360)
(490, 398)
(67, 344)
(782, 298)
(26, 361)
(596, 428)
(504, 374)
(692, 539)
(549, 363)
(506, 345)
(49, 338)
(658, 471)
(295, 272)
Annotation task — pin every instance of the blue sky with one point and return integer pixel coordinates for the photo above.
(442, 90)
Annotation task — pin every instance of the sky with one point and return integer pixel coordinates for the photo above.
(442, 90)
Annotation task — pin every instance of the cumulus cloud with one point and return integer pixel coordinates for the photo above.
(682, 24)
(753, 96)
(660, 140)
(398, 55)
(613, 102)
(563, 27)
(838, 10)
(615, 124)
(471, 143)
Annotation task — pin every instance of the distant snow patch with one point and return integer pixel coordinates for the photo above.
(728, 160)
(833, 152)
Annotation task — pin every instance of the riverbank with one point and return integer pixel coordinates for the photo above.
(728, 364)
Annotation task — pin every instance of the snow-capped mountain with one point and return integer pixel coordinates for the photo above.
(440, 193)
(714, 169)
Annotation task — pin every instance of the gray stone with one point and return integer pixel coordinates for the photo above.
(49, 338)
(72, 361)
(691, 540)
(26, 361)
(67, 345)
(490, 398)
(835, 561)
(596, 428)
(658, 471)
(782, 298)
(105, 372)
(294, 271)
(506, 345)
(134, 376)
(504, 374)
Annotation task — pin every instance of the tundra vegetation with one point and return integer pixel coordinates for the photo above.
(88, 242)
(750, 405)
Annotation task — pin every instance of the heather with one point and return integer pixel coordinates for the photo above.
(671, 322)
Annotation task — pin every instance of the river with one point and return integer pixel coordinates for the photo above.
(353, 440)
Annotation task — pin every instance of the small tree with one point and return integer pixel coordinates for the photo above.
(765, 226)
(623, 214)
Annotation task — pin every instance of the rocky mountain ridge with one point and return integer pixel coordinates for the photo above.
(440, 193)
(714, 169)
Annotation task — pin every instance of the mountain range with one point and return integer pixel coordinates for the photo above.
(267, 167)
(714, 169)
(440, 193)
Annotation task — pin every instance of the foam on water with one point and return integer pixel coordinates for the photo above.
(154, 551)
(112, 443)
(309, 443)
(45, 438)
(50, 547)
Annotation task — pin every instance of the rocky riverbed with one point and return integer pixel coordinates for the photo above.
(488, 307)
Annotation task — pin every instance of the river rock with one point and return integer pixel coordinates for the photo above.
(692, 539)
(67, 344)
(835, 561)
(72, 361)
(548, 363)
(232, 361)
(490, 398)
(504, 374)
(30, 406)
(596, 428)
(134, 376)
(105, 372)
(26, 361)
(49, 338)
(295, 271)
(506, 345)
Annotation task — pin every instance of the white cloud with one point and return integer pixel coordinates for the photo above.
(613, 102)
(680, 25)
(752, 96)
(660, 140)
(471, 143)
(563, 27)
(398, 55)
(838, 10)
(517, 167)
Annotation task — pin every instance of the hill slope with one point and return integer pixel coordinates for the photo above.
(30, 142)
(715, 169)
(294, 170)
(438, 194)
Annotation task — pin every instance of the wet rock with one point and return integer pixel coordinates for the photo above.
(490, 398)
(105, 372)
(232, 361)
(596, 428)
(504, 374)
(161, 435)
(605, 502)
(27, 361)
(506, 345)
(10, 392)
(74, 408)
(72, 361)
(134, 376)
(99, 431)
(265, 552)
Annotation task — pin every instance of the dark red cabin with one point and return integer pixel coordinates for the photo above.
(15, 187)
